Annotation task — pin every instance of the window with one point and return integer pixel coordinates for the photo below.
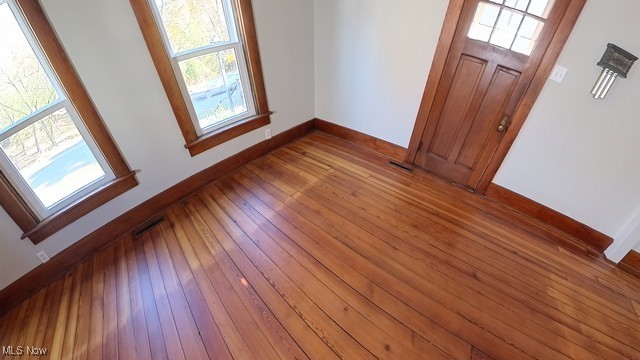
(57, 160)
(510, 24)
(206, 54)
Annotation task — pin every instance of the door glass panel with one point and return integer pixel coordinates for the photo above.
(528, 35)
(484, 21)
(506, 28)
(511, 24)
(24, 85)
(214, 86)
(517, 4)
(541, 8)
(53, 158)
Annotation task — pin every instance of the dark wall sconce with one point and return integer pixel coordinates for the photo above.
(615, 62)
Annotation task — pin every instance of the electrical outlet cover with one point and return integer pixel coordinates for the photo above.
(43, 256)
(558, 74)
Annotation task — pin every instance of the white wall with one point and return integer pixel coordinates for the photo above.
(625, 240)
(578, 155)
(372, 58)
(372, 62)
(574, 154)
(104, 43)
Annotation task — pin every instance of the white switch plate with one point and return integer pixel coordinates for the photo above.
(43, 257)
(558, 74)
(267, 133)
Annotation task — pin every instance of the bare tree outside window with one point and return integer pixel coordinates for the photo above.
(202, 38)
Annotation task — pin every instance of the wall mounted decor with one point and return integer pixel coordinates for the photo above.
(616, 62)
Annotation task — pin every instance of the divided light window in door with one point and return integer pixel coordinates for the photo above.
(510, 24)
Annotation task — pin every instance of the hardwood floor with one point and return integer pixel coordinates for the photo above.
(321, 250)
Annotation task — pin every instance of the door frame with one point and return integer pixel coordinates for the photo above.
(549, 59)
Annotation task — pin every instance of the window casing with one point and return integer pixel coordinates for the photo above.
(57, 160)
(206, 54)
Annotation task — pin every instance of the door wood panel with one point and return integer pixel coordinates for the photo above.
(465, 84)
(493, 106)
(481, 84)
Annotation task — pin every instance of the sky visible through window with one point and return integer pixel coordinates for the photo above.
(213, 77)
(38, 136)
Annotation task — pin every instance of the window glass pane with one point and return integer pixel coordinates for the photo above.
(214, 85)
(53, 158)
(517, 4)
(497, 1)
(483, 21)
(506, 28)
(24, 86)
(541, 8)
(192, 24)
(528, 36)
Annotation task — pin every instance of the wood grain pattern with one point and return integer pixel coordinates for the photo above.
(446, 49)
(481, 85)
(454, 11)
(61, 263)
(386, 148)
(321, 250)
(55, 53)
(15, 206)
(631, 263)
(160, 55)
(40, 229)
(162, 62)
(543, 71)
(226, 133)
(81, 207)
(597, 240)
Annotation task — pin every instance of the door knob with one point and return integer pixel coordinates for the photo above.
(503, 124)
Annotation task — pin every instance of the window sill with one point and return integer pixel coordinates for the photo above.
(78, 209)
(224, 134)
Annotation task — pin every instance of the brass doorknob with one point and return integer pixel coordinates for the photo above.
(503, 124)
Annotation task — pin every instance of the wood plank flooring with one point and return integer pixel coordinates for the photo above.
(321, 250)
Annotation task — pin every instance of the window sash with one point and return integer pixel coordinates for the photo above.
(27, 121)
(12, 173)
(33, 44)
(235, 43)
(195, 142)
(246, 88)
(29, 195)
(14, 203)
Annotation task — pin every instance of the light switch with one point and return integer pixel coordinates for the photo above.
(558, 74)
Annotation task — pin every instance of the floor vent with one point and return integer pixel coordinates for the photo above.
(148, 225)
(401, 166)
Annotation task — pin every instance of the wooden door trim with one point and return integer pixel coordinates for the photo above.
(454, 11)
(523, 109)
(525, 105)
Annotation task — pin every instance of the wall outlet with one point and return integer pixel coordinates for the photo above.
(43, 257)
(267, 133)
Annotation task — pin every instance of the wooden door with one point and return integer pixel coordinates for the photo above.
(495, 53)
